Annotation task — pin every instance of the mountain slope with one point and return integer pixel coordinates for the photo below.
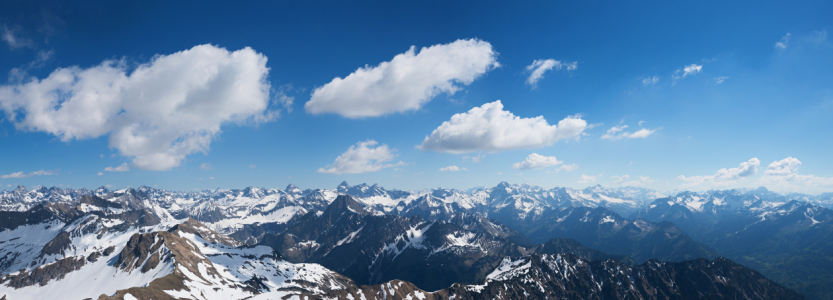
(564, 276)
(789, 241)
(373, 248)
(602, 229)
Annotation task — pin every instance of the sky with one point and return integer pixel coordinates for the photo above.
(667, 95)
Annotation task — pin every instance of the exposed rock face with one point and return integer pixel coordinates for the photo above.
(372, 248)
(789, 241)
(602, 229)
(565, 276)
(43, 274)
(126, 244)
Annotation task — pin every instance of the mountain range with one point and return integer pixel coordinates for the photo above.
(357, 239)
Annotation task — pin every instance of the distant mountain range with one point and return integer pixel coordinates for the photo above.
(788, 240)
(444, 240)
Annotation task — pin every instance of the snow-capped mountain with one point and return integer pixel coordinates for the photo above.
(372, 248)
(566, 276)
(432, 254)
(785, 239)
(605, 230)
(519, 202)
(243, 212)
(53, 252)
(721, 212)
(148, 243)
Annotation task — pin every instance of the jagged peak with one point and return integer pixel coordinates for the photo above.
(192, 226)
(342, 203)
(21, 189)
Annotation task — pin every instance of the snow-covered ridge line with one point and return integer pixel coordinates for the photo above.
(230, 211)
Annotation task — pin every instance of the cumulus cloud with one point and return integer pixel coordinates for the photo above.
(206, 167)
(536, 161)
(782, 175)
(158, 113)
(30, 174)
(361, 158)
(719, 80)
(724, 176)
(540, 66)
(490, 128)
(782, 44)
(618, 132)
(785, 166)
(650, 80)
(406, 82)
(452, 169)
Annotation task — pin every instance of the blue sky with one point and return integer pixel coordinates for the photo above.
(725, 94)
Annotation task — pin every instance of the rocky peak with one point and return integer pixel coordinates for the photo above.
(343, 187)
(253, 192)
(20, 190)
(342, 204)
(292, 189)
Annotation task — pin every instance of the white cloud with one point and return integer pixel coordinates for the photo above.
(12, 37)
(475, 159)
(206, 167)
(122, 168)
(623, 180)
(785, 166)
(650, 80)
(30, 174)
(643, 180)
(782, 44)
(641, 133)
(588, 178)
(362, 157)
(620, 179)
(536, 161)
(406, 82)
(692, 69)
(540, 66)
(452, 169)
(158, 113)
(724, 176)
(618, 132)
(782, 175)
(490, 128)
(720, 79)
(567, 168)
(252, 166)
